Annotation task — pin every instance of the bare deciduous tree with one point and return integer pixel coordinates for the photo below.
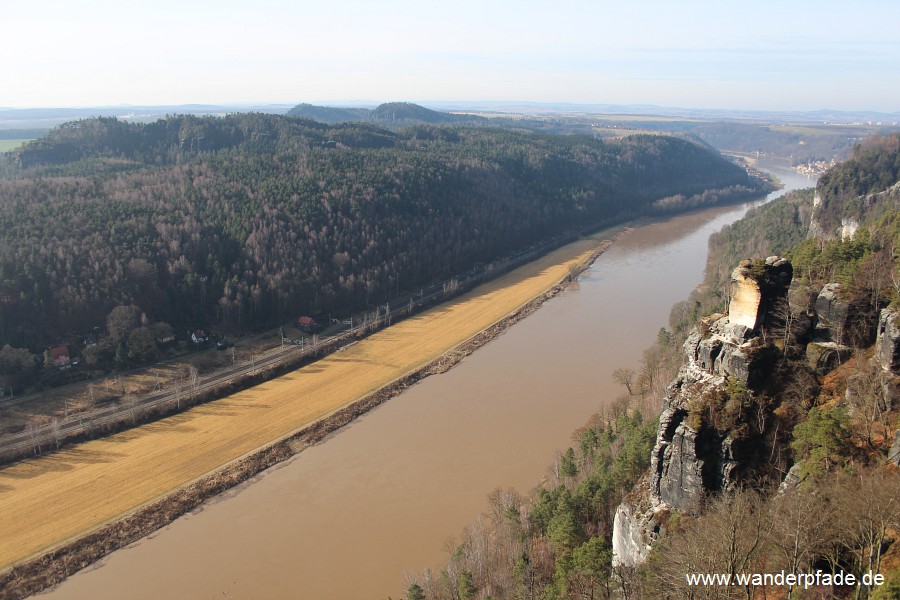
(869, 505)
(625, 377)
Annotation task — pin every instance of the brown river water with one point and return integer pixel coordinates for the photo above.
(349, 518)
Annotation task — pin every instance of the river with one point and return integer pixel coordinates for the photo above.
(382, 497)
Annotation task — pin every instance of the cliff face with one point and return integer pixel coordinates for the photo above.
(693, 458)
(887, 344)
(699, 449)
(715, 432)
(755, 289)
(887, 356)
(634, 530)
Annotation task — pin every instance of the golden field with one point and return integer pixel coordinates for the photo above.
(49, 500)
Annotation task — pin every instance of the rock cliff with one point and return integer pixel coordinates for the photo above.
(635, 529)
(887, 356)
(703, 445)
(887, 344)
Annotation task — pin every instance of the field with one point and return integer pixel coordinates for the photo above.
(7, 145)
(52, 499)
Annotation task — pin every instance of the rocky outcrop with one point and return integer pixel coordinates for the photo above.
(697, 454)
(887, 355)
(887, 343)
(849, 227)
(841, 322)
(824, 357)
(755, 286)
(894, 452)
(692, 457)
(792, 480)
(691, 460)
(634, 531)
(832, 313)
(815, 227)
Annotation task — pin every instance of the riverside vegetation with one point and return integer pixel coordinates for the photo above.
(822, 431)
(116, 236)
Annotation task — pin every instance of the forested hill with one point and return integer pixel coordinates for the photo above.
(390, 113)
(847, 192)
(248, 220)
(329, 114)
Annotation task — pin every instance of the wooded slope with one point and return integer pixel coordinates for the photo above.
(248, 220)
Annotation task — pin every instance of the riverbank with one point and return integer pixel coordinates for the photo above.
(53, 500)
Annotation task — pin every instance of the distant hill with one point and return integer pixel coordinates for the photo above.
(406, 111)
(390, 113)
(329, 114)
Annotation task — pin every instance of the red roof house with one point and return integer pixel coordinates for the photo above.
(60, 356)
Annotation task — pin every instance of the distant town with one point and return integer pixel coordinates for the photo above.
(815, 167)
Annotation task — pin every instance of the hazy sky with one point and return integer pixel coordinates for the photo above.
(762, 54)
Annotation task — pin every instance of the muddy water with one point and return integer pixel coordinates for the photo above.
(347, 518)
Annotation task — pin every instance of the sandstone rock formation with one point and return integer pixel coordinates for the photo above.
(754, 288)
(840, 326)
(887, 344)
(849, 227)
(887, 356)
(634, 531)
(832, 313)
(693, 458)
(824, 357)
(893, 453)
(690, 461)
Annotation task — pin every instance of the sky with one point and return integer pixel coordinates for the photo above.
(759, 55)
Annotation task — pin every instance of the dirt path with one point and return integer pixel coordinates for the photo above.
(49, 501)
